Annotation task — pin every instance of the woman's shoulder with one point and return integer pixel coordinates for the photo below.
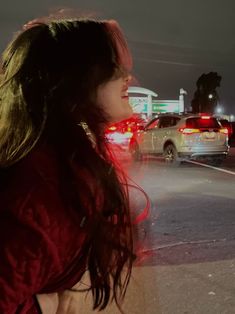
(38, 184)
(30, 194)
(38, 169)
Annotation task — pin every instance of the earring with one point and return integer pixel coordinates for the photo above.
(89, 133)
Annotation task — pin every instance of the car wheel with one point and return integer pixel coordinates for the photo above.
(135, 152)
(216, 161)
(171, 155)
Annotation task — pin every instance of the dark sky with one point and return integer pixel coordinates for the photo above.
(172, 41)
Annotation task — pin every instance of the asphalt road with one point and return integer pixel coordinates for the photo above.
(186, 245)
(192, 206)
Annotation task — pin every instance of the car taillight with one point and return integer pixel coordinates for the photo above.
(189, 131)
(224, 131)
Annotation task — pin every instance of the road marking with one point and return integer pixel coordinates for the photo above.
(174, 244)
(212, 167)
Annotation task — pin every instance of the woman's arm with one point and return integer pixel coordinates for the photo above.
(27, 261)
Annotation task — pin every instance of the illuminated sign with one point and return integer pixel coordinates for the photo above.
(140, 104)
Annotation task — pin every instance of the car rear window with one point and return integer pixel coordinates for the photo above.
(202, 123)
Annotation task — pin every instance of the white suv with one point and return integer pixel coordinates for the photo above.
(177, 137)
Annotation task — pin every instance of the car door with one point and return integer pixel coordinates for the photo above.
(146, 144)
(163, 132)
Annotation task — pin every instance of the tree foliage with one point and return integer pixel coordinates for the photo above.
(206, 96)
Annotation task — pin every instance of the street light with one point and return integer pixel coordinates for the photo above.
(210, 96)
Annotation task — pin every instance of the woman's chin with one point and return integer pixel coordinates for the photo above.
(122, 117)
(128, 115)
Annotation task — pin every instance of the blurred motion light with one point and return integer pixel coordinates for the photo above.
(219, 109)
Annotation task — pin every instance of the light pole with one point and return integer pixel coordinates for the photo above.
(181, 100)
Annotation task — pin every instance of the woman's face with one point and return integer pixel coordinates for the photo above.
(113, 98)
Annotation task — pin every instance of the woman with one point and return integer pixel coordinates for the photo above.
(64, 208)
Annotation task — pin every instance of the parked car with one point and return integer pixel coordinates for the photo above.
(177, 137)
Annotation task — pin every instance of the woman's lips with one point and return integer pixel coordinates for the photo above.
(125, 97)
(124, 93)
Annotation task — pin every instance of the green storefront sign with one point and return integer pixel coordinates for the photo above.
(159, 108)
(141, 105)
(155, 108)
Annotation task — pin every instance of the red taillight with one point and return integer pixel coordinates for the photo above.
(189, 131)
(224, 131)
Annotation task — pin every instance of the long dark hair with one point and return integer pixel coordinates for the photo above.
(51, 75)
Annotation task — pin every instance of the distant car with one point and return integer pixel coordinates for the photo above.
(177, 137)
(232, 137)
(120, 133)
(228, 125)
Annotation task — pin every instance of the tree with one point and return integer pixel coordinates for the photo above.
(206, 97)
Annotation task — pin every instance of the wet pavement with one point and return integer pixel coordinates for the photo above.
(186, 245)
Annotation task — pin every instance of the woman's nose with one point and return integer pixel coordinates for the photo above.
(128, 78)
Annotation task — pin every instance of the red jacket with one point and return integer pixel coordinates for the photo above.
(40, 238)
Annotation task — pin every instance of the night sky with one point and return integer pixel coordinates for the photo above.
(173, 42)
